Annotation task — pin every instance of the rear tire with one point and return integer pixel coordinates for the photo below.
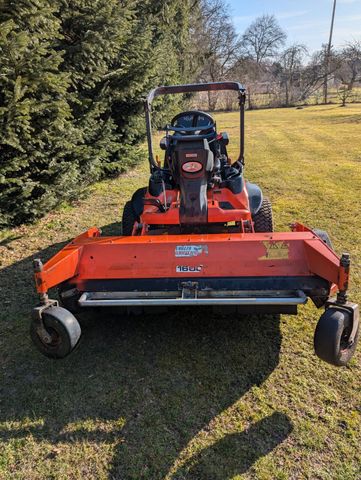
(128, 219)
(263, 219)
(62, 327)
(331, 337)
(323, 236)
(132, 211)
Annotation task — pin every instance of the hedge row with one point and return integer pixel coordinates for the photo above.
(72, 74)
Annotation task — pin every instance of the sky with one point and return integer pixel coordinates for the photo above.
(305, 21)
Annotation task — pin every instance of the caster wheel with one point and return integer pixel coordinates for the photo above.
(331, 340)
(63, 330)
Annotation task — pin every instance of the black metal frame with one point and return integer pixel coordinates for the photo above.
(189, 88)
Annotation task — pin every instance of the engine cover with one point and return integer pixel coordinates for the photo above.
(193, 165)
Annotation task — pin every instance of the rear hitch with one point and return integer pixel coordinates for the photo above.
(189, 289)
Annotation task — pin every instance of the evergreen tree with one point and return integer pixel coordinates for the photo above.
(37, 135)
(73, 74)
(93, 33)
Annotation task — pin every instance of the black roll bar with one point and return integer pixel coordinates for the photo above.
(189, 88)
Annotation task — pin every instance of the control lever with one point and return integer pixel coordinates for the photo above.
(156, 203)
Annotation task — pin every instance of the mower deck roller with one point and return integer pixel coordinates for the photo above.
(199, 234)
(187, 297)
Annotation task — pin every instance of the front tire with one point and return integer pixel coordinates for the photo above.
(263, 219)
(63, 329)
(331, 337)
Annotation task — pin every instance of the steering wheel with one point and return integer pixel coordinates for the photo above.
(192, 122)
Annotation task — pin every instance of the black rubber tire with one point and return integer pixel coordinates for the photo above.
(263, 219)
(331, 334)
(64, 329)
(323, 236)
(137, 201)
(132, 210)
(128, 219)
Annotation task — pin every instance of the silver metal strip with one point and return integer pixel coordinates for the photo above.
(101, 299)
(205, 293)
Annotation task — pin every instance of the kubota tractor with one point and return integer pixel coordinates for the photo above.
(198, 234)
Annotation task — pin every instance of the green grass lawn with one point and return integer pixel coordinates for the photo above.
(191, 395)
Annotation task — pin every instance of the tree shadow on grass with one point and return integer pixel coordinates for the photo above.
(352, 118)
(158, 380)
(235, 453)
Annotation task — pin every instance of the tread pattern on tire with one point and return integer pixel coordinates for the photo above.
(129, 214)
(263, 219)
(128, 219)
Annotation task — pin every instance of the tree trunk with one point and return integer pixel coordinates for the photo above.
(212, 101)
(287, 95)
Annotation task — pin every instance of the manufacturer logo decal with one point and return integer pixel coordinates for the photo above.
(188, 269)
(276, 251)
(191, 155)
(192, 167)
(190, 250)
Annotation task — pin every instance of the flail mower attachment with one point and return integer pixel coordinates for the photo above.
(199, 234)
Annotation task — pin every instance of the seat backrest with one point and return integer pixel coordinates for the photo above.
(192, 165)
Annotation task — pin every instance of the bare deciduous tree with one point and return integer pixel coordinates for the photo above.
(349, 71)
(254, 58)
(313, 74)
(291, 66)
(344, 93)
(218, 43)
(263, 38)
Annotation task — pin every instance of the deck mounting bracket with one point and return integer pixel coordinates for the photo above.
(189, 289)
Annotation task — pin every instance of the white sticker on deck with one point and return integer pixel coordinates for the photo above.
(190, 250)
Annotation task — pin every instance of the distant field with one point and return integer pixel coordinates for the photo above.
(272, 100)
(190, 395)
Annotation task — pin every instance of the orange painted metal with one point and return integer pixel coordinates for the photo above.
(90, 256)
(65, 263)
(152, 216)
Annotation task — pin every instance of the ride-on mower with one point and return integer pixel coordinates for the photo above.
(199, 234)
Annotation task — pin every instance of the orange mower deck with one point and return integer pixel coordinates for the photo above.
(251, 262)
